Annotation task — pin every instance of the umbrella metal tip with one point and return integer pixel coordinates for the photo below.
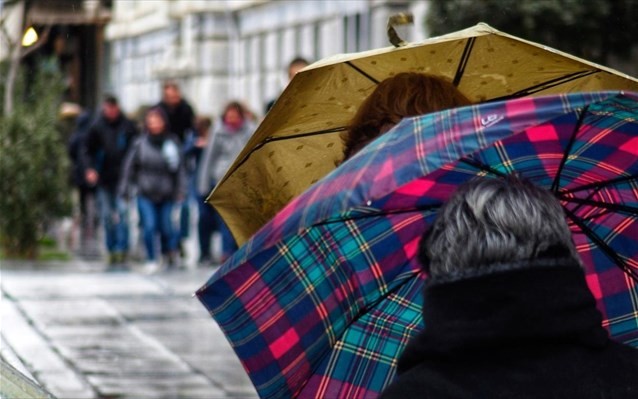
(403, 18)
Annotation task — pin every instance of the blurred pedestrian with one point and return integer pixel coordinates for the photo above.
(194, 147)
(106, 145)
(206, 220)
(179, 113)
(507, 309)
(296, 65)
(88, 218)
(154, 165)
(181, 119)
(403, 95)
(229, 138)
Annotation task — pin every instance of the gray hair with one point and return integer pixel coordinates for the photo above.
(490, 222)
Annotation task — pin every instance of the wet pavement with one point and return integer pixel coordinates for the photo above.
(83, 331)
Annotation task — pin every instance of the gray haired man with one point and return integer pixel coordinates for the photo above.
(507, 310)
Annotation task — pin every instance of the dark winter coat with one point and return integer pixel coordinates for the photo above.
(528, 333)
(181, 118)
(106, 146)
(155, 166)
(75, 147)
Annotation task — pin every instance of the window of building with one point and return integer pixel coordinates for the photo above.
(317, 41)
(356, 32)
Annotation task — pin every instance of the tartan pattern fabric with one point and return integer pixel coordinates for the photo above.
(311, 291)
(370, 347)
(322, 300)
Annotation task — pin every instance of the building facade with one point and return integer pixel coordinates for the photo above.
(235, 49)
(69, 38)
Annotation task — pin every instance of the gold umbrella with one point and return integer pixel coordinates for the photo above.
(298, 141)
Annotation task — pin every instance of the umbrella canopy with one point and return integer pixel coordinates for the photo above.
(298, 141)
(323, 299)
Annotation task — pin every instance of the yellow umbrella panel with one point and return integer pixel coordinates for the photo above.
(298, 141)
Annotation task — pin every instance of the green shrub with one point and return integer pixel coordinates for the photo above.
(33, 166)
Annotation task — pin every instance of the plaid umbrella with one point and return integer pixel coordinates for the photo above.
(323, 299)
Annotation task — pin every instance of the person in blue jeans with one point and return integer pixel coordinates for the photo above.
(180, 120)
(102, 155)
(155, 166)
(229, 138)
(206, 221)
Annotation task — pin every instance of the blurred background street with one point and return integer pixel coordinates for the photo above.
(83, 331)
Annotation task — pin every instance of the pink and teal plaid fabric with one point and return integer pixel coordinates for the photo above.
(323, 299)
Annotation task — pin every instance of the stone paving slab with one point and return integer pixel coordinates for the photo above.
(39, 357)
(184, 284)
(49, 284)
(91, 333)
(155, 308)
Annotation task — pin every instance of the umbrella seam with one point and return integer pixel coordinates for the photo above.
(546, 85)
(269, 140)
(621, 179)
(570, 144)
(460, 69)
(361, 71)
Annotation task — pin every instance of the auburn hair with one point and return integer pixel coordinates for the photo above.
(403, 95)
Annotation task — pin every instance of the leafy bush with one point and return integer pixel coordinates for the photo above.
(33, 166)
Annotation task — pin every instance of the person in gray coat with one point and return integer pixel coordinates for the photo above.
(155, 166)
(229, 138)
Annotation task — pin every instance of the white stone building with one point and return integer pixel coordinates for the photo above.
(235, 49)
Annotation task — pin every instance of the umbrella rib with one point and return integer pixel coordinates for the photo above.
(269, 140)
(589, 197)
(361, 71)
(297, 136)
(570, 144)
(603, 245)
(632, 210)
(482, 166)
(598, 214)
(546, 85)
(598, 185)
(460, 70)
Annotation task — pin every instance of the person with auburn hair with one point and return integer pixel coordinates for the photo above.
(403, 95)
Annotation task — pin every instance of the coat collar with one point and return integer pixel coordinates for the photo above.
(527, 304)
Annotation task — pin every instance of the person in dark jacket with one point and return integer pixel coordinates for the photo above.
(155, 166)
(181, 122)
(86, 192)
(507, 310)
(179, 113)
(104, 149)
(206, 220)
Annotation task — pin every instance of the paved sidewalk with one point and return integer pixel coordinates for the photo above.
(84, 332)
